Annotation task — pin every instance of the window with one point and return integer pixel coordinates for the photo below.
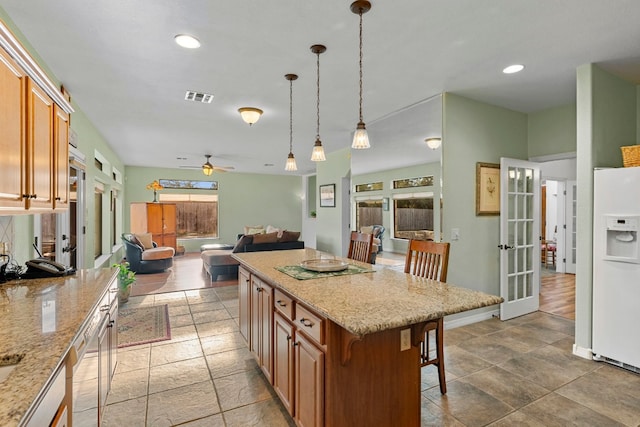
(413, 216)
(372, 186)
(421, 181)
(368, 212)
(196, 214)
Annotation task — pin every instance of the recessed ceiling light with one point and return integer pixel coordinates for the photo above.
(516, 68)
(187, 41)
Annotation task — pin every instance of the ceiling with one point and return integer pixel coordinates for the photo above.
(118, 60)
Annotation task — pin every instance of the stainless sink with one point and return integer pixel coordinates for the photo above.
(7, 363)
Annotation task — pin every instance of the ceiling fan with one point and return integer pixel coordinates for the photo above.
(208, 168)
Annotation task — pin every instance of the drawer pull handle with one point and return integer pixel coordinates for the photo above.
(288, 337)
(280, 303)
(306, 322)
(104, 308)
(294, 344)
(259, 289)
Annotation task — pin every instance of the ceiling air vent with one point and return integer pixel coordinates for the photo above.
(198, 97)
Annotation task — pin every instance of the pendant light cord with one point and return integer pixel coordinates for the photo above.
(290, 116)
(318, 96)
(360, 66)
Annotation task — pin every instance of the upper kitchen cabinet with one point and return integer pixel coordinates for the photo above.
(39, 194)
(13, 82)
(61, 158)
(34, 118)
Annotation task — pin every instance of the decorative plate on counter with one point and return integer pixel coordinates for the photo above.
(322, 265)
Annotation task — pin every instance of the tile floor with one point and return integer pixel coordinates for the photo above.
(519, 372)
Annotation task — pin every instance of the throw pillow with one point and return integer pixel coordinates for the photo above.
(265, 238)
(367, 230)
(271, 229)
(253, 229)
(289, 236)
(145, 240)
(247, 239)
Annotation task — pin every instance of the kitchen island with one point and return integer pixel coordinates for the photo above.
(40, 320)
(343, 350)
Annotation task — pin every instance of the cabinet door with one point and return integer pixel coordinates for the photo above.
(244, 295)
(309, 383)
(12, 138)
(283, 360)
(61, 158)
(154, 221)
(39, 148)
(254, 318)
(169, 226)
(266, 330)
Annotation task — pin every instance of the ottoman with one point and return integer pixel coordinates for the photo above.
(219, 261)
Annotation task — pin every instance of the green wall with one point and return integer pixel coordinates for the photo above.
(387, 176)
(607, 118)
(333, 223)
(244, 199)
(475, 132)
(552, 131)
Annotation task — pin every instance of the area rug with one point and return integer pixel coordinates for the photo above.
(143, 325)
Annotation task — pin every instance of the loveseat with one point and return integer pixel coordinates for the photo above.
(144, 255)
(217, 262)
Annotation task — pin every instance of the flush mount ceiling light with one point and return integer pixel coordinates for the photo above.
(317, 155)
(360, 136)
(250, 115)
(207, 168)
(433, 143)
(187, 41)
(291, 161)
(511, 69)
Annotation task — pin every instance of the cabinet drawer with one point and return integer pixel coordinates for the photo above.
(283, 304)
(310, 324)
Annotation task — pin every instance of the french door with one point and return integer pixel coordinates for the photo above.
(570, 221)
(519, 237)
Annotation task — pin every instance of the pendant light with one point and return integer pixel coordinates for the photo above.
(291, 161)
(318, 152)
(360, 136)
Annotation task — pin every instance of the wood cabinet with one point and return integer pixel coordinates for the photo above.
(61, 158)
(244, 292)
(261, 325)
(34, 171)
(13, 82)
(298, 361)
(159, 219)
(39, 148)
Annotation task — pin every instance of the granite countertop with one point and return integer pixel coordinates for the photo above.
(367, 302)
(40, 319)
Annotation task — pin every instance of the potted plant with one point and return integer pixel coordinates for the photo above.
(125, 278)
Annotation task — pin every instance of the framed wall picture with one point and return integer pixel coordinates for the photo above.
(487, 189)
(328, 196)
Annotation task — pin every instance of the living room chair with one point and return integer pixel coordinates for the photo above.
(430, 260)
(360, 247)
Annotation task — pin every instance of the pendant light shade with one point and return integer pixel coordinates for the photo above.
(317, 155)
(360, 136)
(290, 165)
(250, 115)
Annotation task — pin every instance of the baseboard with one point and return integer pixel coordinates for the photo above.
(468, 320)
(585, 353)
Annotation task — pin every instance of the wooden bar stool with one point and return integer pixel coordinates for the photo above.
(430, 260)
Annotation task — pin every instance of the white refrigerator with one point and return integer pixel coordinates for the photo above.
(616, 267)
